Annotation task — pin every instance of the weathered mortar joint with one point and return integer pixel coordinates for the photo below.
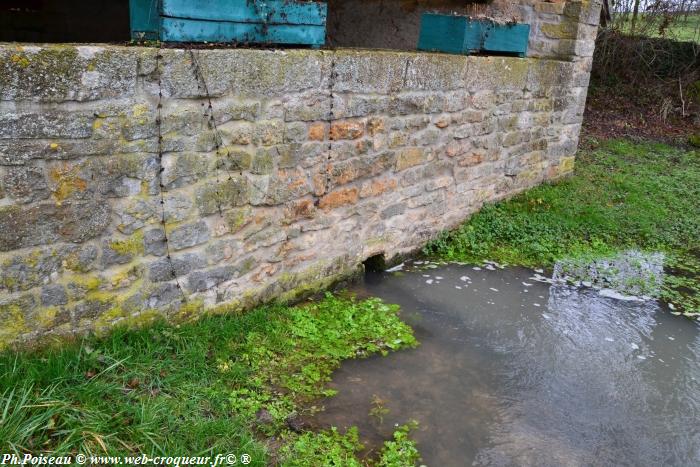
(329, 120)
(161, 185)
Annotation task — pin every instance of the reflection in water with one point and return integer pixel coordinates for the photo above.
(512, 371)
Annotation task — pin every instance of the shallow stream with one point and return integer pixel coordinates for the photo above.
(514, 371)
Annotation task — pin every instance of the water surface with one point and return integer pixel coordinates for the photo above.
(512, 371)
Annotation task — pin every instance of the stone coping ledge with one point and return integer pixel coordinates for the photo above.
(66, 72)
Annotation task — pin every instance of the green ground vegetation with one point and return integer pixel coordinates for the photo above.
(223, 384)
(330, 448)
(622, 196)
(683, 28)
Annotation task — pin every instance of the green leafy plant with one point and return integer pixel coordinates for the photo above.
(402, 450)
(327, 448)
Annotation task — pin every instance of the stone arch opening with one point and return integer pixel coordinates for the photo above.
(375, 263)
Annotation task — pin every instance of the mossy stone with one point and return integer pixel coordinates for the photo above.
(232, 192)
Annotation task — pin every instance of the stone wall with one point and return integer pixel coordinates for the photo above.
(559, 29)
(301, 165)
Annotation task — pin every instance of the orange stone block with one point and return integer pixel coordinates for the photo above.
(377, 187)
(472, 159)
(339, 198)
(347, 130)
(317, 132)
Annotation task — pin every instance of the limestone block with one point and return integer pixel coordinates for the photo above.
(44, 223)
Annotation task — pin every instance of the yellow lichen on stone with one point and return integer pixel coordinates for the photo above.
(130, 246)
(189, 311)
(20, 60)
(142, 319)
(74, 263)
(139, 110)
(121, 279)
(8, 282)
(237, 219)
(104, 322)
(566, 164)
(33, 258)
(67, 182)
(102, 297)
(12, 324)
(88, 283)
(139, 116)
(45, 317)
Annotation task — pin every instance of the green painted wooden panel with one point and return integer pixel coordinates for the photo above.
(268, 22)
(474, 36)
(442, 33)
(463, 35)
(244, 11)
(189, 30)
(144, 17)
(508, 38)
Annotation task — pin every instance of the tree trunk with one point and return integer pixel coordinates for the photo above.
(635, 12)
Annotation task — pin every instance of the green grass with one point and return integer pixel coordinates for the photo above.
(622, 196)
(682, 29)
(193, 389)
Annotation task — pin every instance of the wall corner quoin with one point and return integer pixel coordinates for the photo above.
(564, 30)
